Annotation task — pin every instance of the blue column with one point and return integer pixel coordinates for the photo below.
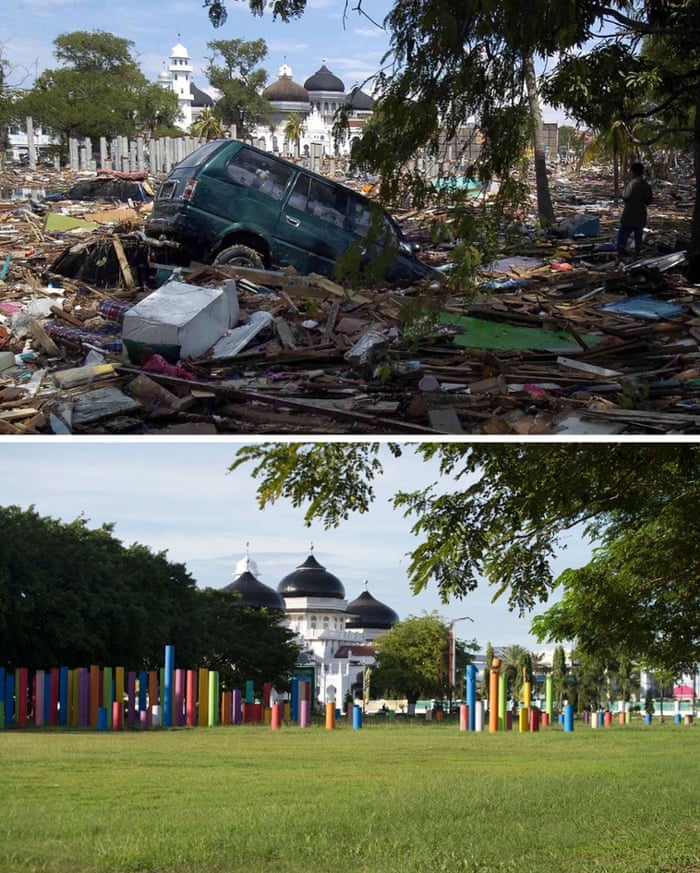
(168, 686)
(471, 695)
(569, 717)
(356, 717)
(63, 696)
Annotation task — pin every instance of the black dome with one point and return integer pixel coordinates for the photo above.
(367, 612)
(324, 80)
(311, 579)
(252, 592)
(199, 97)
(360, 101)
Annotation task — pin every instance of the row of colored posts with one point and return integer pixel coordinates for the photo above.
(112, 698)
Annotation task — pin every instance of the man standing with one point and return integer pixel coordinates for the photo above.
(637, 196)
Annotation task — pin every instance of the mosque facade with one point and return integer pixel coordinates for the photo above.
(336, 635)
(312, 105)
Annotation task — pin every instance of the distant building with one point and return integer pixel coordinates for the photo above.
(315, 103)
(178, 79)
(336, 635)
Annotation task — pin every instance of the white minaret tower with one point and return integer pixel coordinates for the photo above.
(180, 70)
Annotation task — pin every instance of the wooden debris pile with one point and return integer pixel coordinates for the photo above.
(560, 340)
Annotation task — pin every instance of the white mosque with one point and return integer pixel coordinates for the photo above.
(314, 103)
(336, 635)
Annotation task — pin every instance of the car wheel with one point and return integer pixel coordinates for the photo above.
(240, 256)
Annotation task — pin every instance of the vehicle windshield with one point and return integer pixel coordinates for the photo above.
(200, 155)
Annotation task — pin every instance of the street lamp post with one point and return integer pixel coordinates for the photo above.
(452, 653)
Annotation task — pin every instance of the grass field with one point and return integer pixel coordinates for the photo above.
(391, 797)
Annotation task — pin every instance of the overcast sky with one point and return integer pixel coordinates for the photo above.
(178, 496)
(331, 32)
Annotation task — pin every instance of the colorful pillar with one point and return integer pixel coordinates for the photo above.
(548, 696)
(502, 702)
(191, 699)
(330, 716)
(212, 714)
(479, 716)
(236, 701)
(493, 695)
(39, 689)
(53, 697)
(464, 717)
(108, 692)
(94, 694)
(178, 706)
(62, 695)
(356, 717)
(84, 700)
(152, 689)
(203, 686)
(22, 695)
(569, 717)
(131, 698)
(9, 698)
(304, 713)
(276, 717)
(471, 695)
(117, 715)
(143, 691)
(168, 686)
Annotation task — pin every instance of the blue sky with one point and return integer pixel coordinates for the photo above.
(351, 49)
(178, 496)
(350, 44)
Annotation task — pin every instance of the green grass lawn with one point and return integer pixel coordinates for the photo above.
(394, 796)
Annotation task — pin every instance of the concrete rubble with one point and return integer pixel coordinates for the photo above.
(558, 340)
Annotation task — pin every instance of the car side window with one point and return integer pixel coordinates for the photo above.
(327, 202)
(300, 193)
(259, 172)
(361, 218)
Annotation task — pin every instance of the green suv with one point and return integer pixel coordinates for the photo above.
(231, 203)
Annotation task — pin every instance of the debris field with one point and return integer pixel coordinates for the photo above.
(98, 336)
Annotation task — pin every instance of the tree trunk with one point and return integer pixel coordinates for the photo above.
(545, 210)
(694, 253)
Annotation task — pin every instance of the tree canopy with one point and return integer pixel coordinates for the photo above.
(99, 90)
(499, 514)
(233, 71)
(74, 596)
(413, 659)
(451, 61)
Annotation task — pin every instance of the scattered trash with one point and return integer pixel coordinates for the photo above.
(100, 335)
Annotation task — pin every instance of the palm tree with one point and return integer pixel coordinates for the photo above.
(517, 666)
(207, 126)
(294, 129)
(617, 142)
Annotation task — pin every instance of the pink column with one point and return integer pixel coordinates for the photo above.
(191, 698)
(179, 696)
(22, 696)
(53, 696)
(464, 717)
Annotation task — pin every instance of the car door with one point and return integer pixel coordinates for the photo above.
(311, 232)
